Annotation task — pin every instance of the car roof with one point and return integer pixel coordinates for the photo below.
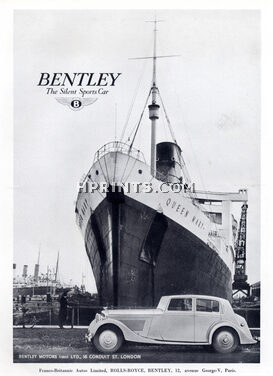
(195, 296)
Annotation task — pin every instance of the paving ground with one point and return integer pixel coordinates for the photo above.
(67, 345)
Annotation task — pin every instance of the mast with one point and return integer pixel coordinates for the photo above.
(47, 279)
(57, 266)
(37, 267)
(154, 106)
(154, 109)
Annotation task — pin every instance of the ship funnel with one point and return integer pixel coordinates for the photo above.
(168, 162)
(36, 272)
(25, 271)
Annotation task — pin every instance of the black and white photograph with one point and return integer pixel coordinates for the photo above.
(136, 188)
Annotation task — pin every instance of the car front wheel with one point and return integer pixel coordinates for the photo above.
(108, 339)
(225, 341)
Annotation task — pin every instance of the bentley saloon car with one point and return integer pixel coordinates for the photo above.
(178, 320)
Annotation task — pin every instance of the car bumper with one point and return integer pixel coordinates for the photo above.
(248, 341)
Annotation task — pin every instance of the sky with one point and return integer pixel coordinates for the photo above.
(211, 92)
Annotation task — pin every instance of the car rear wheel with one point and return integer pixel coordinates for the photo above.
(108, 339)
(225, 341)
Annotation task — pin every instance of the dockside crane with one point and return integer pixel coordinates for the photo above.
(240, 278)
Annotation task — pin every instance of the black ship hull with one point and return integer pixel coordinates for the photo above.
(138, 255)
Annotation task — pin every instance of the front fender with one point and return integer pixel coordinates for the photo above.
(128, 334)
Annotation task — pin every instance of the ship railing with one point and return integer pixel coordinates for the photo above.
(121, 147)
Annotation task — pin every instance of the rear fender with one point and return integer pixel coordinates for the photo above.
(223, 324)
(244, 334)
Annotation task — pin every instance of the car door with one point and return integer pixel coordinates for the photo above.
(177, 321)
(207, 313)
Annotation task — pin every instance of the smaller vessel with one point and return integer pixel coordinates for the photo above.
(38, 285)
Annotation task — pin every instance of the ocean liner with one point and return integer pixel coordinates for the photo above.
(153, 241)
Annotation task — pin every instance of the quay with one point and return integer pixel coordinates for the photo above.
(55, 345)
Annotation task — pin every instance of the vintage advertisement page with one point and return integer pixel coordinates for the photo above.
(136, 194)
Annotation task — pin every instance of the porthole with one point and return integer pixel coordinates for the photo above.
(97, 172)
(140, 171)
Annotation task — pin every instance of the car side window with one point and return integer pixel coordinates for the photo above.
(207, 305)
(184, 304)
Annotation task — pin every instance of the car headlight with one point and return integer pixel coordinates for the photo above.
(97, 317)
(242, 324)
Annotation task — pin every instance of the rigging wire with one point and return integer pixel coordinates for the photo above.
(135, 133)
(141, 116)
(131, 170)
(137, 124)
(132, 132)
(133, 101)
(179, 155)
(128, 158)
(116, 157)
(104, 158)
(115, 121)
(165, 126)
(167, 118)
